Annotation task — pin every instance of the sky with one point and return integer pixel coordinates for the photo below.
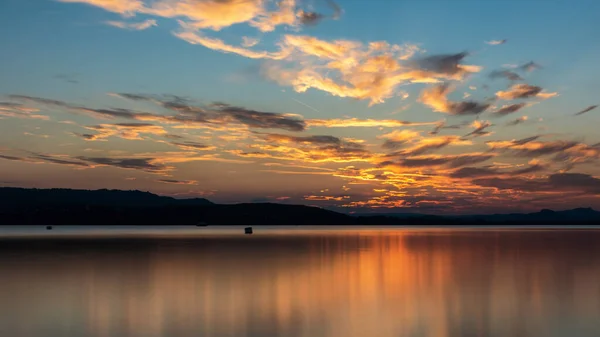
(441, 107)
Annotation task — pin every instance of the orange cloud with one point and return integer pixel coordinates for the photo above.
(436, 98)
(16, 110)
(130, 131)
(522, 90)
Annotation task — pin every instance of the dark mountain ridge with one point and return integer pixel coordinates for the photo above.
(20, 206)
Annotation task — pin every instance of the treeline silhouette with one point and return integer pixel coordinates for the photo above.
(20, 206)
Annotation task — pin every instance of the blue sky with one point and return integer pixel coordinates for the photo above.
(326, 76)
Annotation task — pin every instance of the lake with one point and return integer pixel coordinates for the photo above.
(300, 281)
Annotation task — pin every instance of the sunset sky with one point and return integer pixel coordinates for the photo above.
(392, 106)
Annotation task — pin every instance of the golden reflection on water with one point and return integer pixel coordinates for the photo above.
(358, 283)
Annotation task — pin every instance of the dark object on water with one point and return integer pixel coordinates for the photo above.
(201, 224)
(248, 230)
(49, 228)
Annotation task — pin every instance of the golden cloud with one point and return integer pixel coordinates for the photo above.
(522, 90)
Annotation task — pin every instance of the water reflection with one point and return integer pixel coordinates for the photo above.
(367, 283)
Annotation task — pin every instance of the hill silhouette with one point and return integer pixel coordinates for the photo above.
(27, 198)
(21, 206)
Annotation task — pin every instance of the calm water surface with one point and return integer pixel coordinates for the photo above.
(334, 282)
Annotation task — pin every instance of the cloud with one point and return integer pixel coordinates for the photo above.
(528, 147)
(556, 183)
(133, 25)
(419, 145)
(178, 182)
(16, 110)
(442, 125)
(517, 121)
(216, 114)
(192, 146)
(478, 172)
(130, 131)
(512, 76)
(124, 7)
(356, 122)
(144, 164)
(309, 149)
(509, 108)
(435, 97)
(479, 127)
(433, 143)
(524, 91)
(372, 72)
(318, 140)
(259, 119)
(589, 108)
(451, 161)
(194, 37)
(37, 158)
(496, 42)
(249, 41)
(530, 66)
(399, 138)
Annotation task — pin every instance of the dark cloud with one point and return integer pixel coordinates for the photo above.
(545, 149)
(172, 136)
(144, 164)
(517, 121)
(58, 160)
(442, 125)
(118, 113)
(512, 76)
(10, 105)
(177, 182)
(135, 97)
(217, 113)
(473, 172)
(318, 139)
(450, 161)
(310, 18)
(43, 101)
(444, 64)
(467, 108)
(192, 146)
(393, 144)
(530, 66)
(510, 108)
(259, 119)
(480, 127)
(36, 157)
(524, 141)
(476, 172)
(558, 182)
(69, 78)
(2, 156)
(86, 136)
(589, 108)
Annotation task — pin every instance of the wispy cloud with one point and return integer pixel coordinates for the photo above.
(496, 42)
(133, 25)
(589, 108)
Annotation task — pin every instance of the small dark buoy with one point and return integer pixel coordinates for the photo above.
(248, 230)
(49, 228)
